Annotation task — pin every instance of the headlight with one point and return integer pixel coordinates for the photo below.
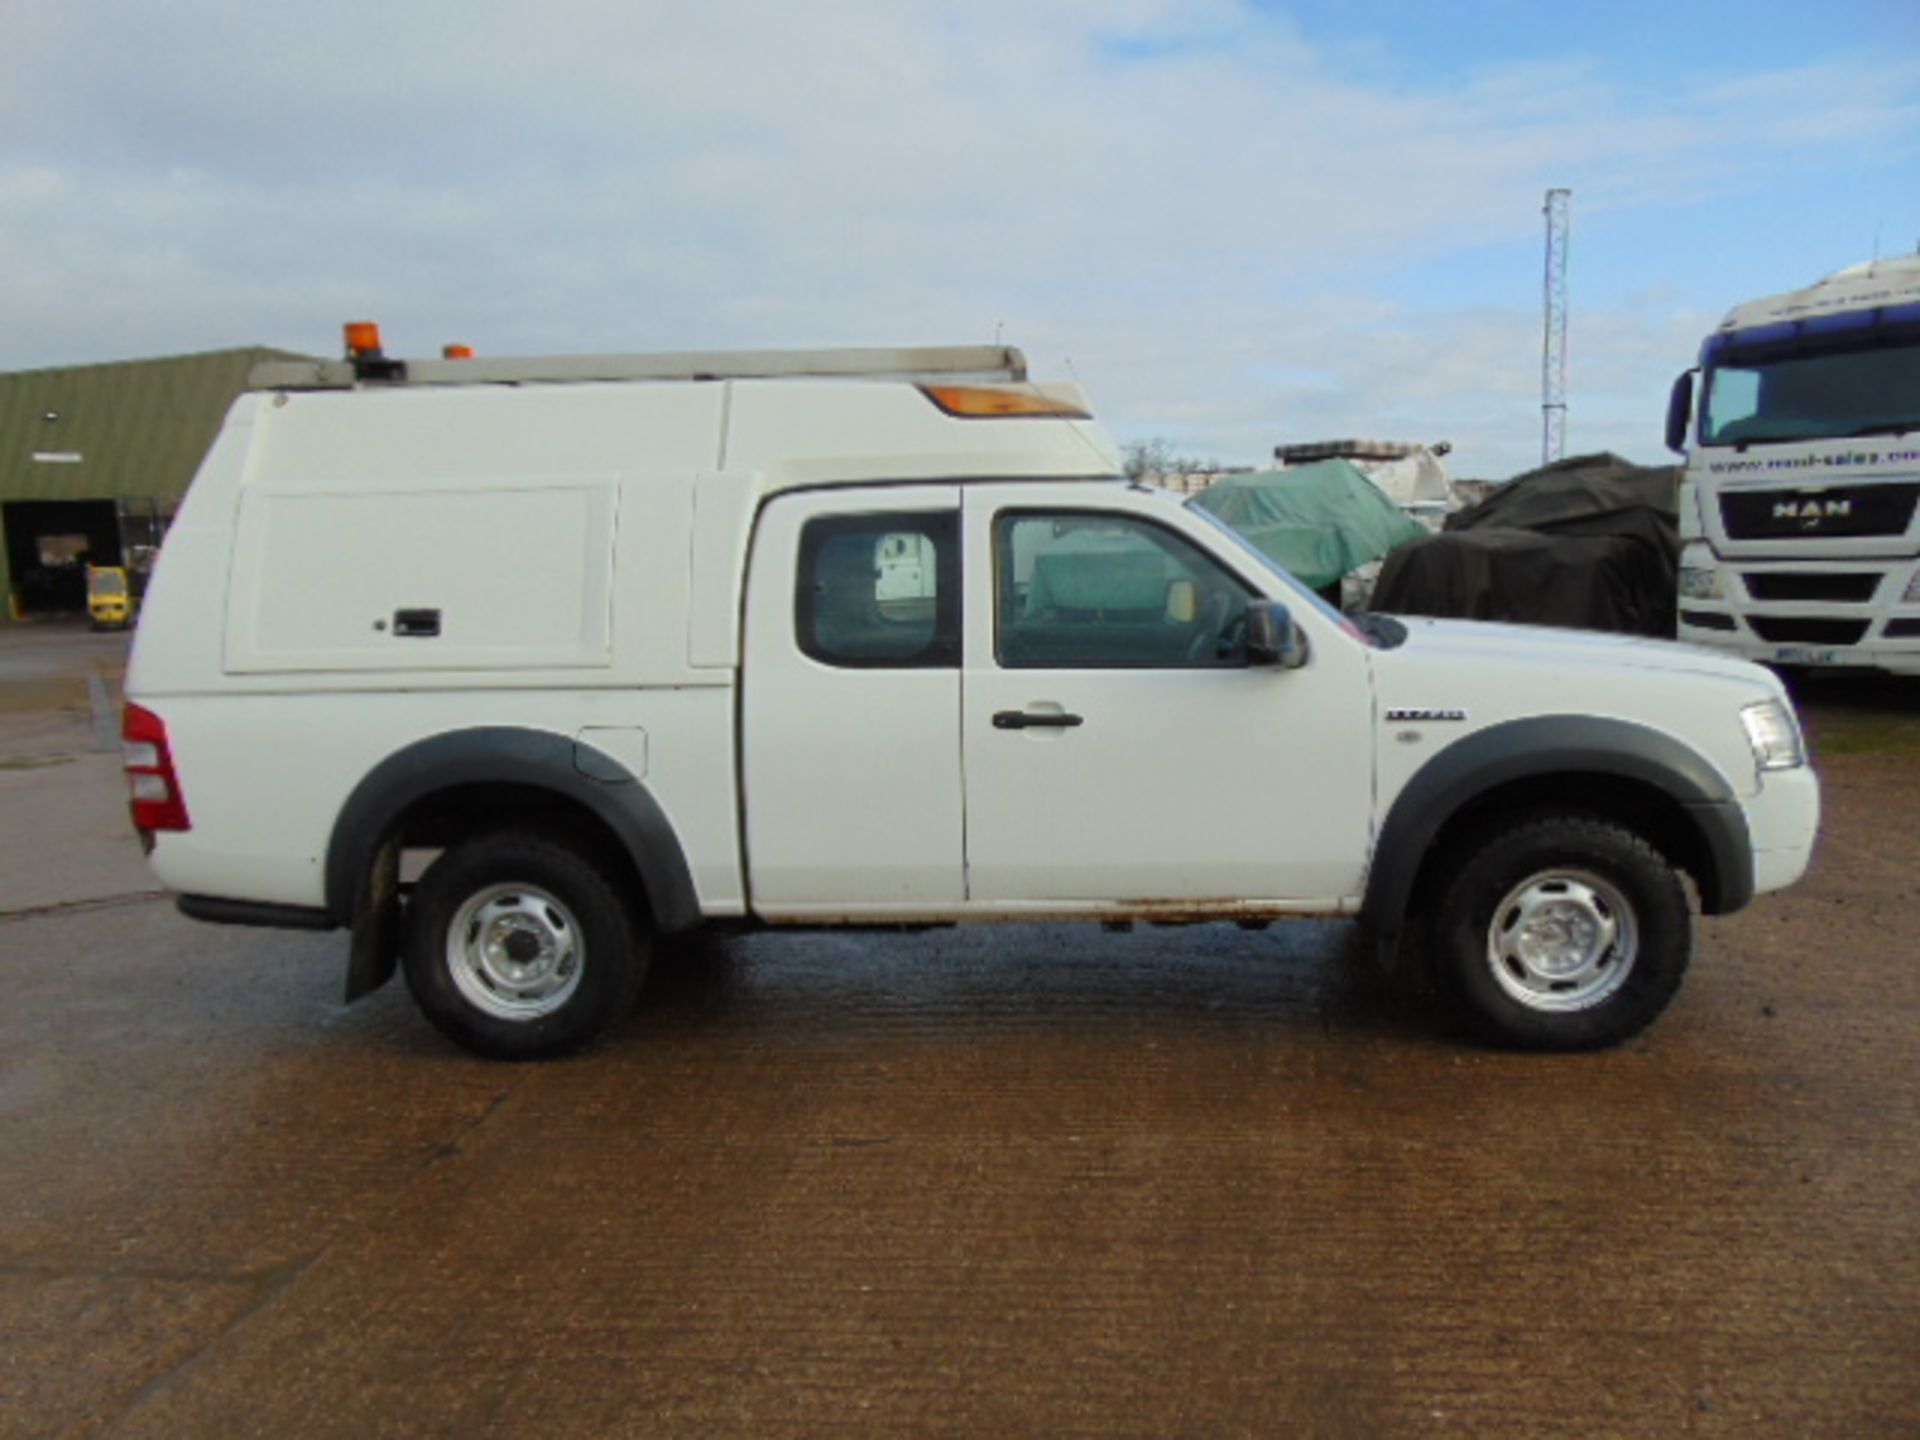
(1774, 735)
(1699, 584)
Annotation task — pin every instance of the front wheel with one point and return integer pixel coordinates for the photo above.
(1567, 932)
(519, 947)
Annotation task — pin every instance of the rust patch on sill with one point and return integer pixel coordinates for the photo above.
(1152, 910)
(1180, 912)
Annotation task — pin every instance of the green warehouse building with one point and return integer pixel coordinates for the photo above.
(94, 460)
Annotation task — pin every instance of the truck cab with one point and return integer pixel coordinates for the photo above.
(512, 669)
(1800, 511)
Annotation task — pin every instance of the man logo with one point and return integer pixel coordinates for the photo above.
(1810, 513)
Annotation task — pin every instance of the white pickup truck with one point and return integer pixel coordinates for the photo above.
(619, 647)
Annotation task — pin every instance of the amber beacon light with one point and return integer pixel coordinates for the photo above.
(996, 402)
(363, 340)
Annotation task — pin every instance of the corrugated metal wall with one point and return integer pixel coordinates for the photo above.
(131, 429)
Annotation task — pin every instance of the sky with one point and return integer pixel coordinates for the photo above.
(1238, 224)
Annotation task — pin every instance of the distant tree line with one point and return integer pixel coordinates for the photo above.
(1145, 459)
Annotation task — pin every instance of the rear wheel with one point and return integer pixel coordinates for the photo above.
(519, 947)
(1567, 932)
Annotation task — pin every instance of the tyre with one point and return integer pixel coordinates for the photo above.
(519, 947)
(1567, 932)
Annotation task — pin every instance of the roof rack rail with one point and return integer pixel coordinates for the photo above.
(931, 362)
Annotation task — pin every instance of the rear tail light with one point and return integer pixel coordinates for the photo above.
(155, 788)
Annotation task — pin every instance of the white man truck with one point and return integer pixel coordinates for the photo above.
(1800, 509)
(511, 667)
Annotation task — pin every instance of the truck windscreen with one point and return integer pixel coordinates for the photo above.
(1768, 396)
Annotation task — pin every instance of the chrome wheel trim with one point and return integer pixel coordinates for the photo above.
(1562, 940)
(515, 952)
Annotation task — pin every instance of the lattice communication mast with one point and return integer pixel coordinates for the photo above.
(1553, 345)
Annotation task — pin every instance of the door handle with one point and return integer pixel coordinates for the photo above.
(421, 623)
(1030, 720)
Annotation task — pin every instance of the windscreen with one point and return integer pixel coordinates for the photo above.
(1767, 396)
(106, 582)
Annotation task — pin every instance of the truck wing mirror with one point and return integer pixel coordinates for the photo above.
(1273, 638)
(1679, 411)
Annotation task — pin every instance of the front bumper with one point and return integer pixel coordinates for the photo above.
(1896, 656)
(1826, 612)
(1782, 821)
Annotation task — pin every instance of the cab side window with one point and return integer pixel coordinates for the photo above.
(1089, 591)
(880, 590)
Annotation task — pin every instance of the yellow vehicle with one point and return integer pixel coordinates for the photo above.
(109, 605)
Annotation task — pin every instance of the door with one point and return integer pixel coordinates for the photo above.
(850, 704)
(1118, 746)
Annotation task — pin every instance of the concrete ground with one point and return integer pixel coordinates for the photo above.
(1031, 1180)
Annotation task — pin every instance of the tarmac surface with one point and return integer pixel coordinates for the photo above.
(1010, 1180)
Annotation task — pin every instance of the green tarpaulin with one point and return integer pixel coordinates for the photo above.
(1087, 571)
(1319, 521)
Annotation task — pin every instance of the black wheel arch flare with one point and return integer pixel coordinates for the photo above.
(509, 755)
(1554, 747)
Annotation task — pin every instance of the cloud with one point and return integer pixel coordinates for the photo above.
(1186, 199)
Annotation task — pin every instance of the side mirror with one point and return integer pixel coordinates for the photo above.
(1273, 638)
(1679, 411)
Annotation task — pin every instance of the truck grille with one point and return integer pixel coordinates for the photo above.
(1811, 585)
(1836, 512)
(1804, 630)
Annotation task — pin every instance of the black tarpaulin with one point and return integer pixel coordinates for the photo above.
(1591, 543)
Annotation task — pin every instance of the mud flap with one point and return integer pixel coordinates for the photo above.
(375, 952)
(1387, 951)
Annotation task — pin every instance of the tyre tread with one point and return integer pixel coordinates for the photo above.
(608, 992)
(1497, 858)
